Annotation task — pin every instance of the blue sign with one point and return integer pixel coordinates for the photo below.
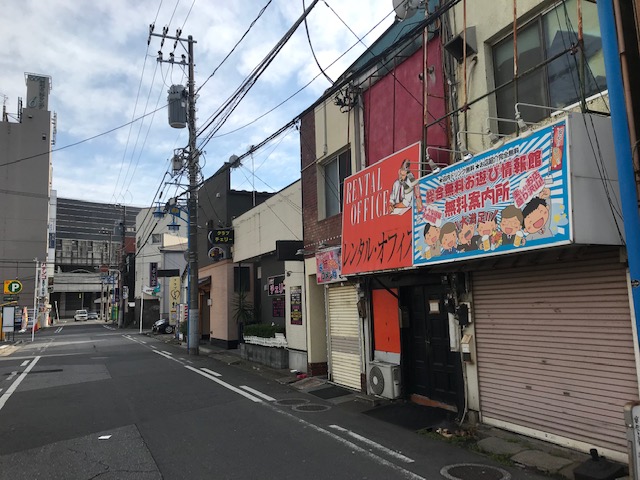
(509, 199)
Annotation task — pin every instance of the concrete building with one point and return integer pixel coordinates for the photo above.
(267, 237)
(88, 253)
(160, 263)
(25, 186)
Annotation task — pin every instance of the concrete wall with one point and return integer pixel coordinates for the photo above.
(278, 218)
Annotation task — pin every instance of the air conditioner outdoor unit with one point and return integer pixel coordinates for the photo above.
(384, 379)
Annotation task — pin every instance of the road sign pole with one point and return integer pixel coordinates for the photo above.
(35, 300)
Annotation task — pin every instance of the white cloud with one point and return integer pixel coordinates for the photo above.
(95, 54)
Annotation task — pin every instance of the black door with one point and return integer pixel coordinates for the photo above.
(434, 371)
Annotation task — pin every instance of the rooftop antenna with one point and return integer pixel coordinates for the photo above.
(405, 8)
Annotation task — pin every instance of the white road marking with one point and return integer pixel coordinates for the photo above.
(131, 338)
(371, 443)
(153, 347)
(264, 396)
(58, 330)
(104, 437)
(25, 363)
(12, 374)
(211, 372)
(5, 396)
(225, 384)
(166, 355)
(372, 456)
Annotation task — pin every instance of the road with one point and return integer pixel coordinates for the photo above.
(87, 401)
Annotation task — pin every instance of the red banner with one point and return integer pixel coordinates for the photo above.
(377, 209)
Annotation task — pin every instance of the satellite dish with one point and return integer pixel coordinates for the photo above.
(405, 8)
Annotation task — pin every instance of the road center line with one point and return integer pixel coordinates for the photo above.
(371, 443)
(225, 384)
(5, 396)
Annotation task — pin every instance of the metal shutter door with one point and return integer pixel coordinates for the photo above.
(555, 348)
(344, 335)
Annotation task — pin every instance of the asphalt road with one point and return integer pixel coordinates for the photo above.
(87, 401)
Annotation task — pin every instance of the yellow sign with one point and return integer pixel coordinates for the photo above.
(12, 287)
(174, 290)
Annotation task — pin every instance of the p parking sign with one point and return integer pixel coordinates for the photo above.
(12, 287)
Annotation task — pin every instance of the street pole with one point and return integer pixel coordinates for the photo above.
(141, 309)
(35, 300)
(121, 300)
(193, 339)
(193, 336)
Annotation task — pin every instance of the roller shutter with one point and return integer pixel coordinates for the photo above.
(555, 348)
(344, 336)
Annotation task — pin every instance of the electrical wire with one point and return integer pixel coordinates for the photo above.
(235, 46)
(313, 53)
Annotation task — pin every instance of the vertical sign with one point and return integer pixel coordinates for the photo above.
(296, 305)
(153, 274)
(376, 213)
(329, 266)
(8, 319)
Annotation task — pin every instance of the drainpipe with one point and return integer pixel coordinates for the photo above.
(622, 141)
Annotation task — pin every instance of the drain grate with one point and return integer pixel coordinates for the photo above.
(474, 471)
(311, 408)
(288, 402)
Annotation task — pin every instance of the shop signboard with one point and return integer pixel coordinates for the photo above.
(376, 214)
(329, 266)
(510, 199)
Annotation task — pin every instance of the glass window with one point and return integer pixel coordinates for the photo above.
(556, 84)
(156, 238)
(335, 171)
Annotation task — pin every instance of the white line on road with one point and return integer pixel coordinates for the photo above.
(225, 384)
(154, 347)
(264, 396)
(5, 396)
(12, 374)
(58, 330)
(166, 355)
(376, 458)
(25, 363)
(373, 444)
(211, 372)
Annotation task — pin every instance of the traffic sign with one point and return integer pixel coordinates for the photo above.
(12, 287)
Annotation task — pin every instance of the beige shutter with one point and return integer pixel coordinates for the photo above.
(555, 348)
(344, 333)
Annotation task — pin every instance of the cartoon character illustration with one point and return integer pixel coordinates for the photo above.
(449, 238)
(490, 237)
(511, 220)
(537, 214)
(467, 239)
(404, 191)
(432, 240)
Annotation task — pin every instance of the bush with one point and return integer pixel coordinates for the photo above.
(183, 327)
(262, 330)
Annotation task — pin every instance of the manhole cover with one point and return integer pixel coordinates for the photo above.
(287, 402)
(311, 408)
(474, 471)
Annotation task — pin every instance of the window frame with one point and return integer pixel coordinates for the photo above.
(323, 190)
(536, 115)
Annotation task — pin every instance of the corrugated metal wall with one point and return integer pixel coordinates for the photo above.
(344, 333)
(555, 348)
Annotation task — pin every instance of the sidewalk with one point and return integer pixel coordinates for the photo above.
(502, 446)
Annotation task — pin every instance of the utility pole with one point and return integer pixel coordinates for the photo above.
(193, 337)
(123, 255)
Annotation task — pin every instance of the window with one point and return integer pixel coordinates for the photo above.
(334, 172)
(156, 238)
(241, 279)
(556, 84)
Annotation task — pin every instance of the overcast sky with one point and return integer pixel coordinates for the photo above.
(104, 76)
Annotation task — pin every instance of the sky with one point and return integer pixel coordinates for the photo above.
(106, 82)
